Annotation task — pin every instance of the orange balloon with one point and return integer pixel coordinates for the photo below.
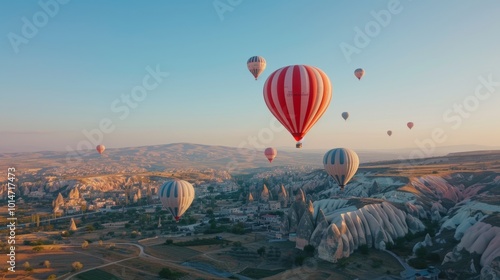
(100, 149)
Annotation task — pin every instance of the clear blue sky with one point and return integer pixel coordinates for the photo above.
(64, 78)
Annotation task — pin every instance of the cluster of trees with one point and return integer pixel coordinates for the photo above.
(75, 266)
(167, 273)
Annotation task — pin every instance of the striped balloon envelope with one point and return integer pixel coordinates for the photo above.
(341, 164)
(298, 95)
(176, 196)
(256, 65)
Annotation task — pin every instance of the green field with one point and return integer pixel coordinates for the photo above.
(97, 274)
(172, 252)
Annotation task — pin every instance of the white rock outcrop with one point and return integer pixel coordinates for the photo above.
(483, 239)
(374, 225)
(426, 243)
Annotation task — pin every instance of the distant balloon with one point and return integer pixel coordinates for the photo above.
(298, 95)
(359, 73)
(345, 115)
(176, 196)
(410, 125)
(341, 164)
(256, 65)
(389, 132)
(270, 153)
(100, 149)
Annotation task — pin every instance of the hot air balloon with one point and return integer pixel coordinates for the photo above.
(389, 132)
(298, 95)
(345, 115)
(359, 73)
(270, 153)
(341, 164)
(100, 149)
(176, 196)
(410, 125)
(256, 65)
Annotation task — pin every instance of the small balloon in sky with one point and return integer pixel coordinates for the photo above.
(410, 125)
(256, 65)
(389, 132)
(359, 73)
(270, 153)
(100, 149)
(345, 115)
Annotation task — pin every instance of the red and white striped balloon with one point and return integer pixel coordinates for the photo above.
(298, 95)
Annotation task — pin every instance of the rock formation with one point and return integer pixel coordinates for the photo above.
(72, 225)
(338, 235)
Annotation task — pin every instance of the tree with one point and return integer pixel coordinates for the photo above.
(166, 273)
(213, 224)
(37, 248)
(342, 263)
(76, 266)
(52, 277)
(239, 228)
(421, 252)
(192, 220)
(46, 263)
(26, 266)
(261, 251)
(299, 260)
(210, 189)
(100, 243)
(309, 249)
(363, 249)
(169, 242)
(85, 244)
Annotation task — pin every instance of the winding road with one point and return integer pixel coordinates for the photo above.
(146, 256)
